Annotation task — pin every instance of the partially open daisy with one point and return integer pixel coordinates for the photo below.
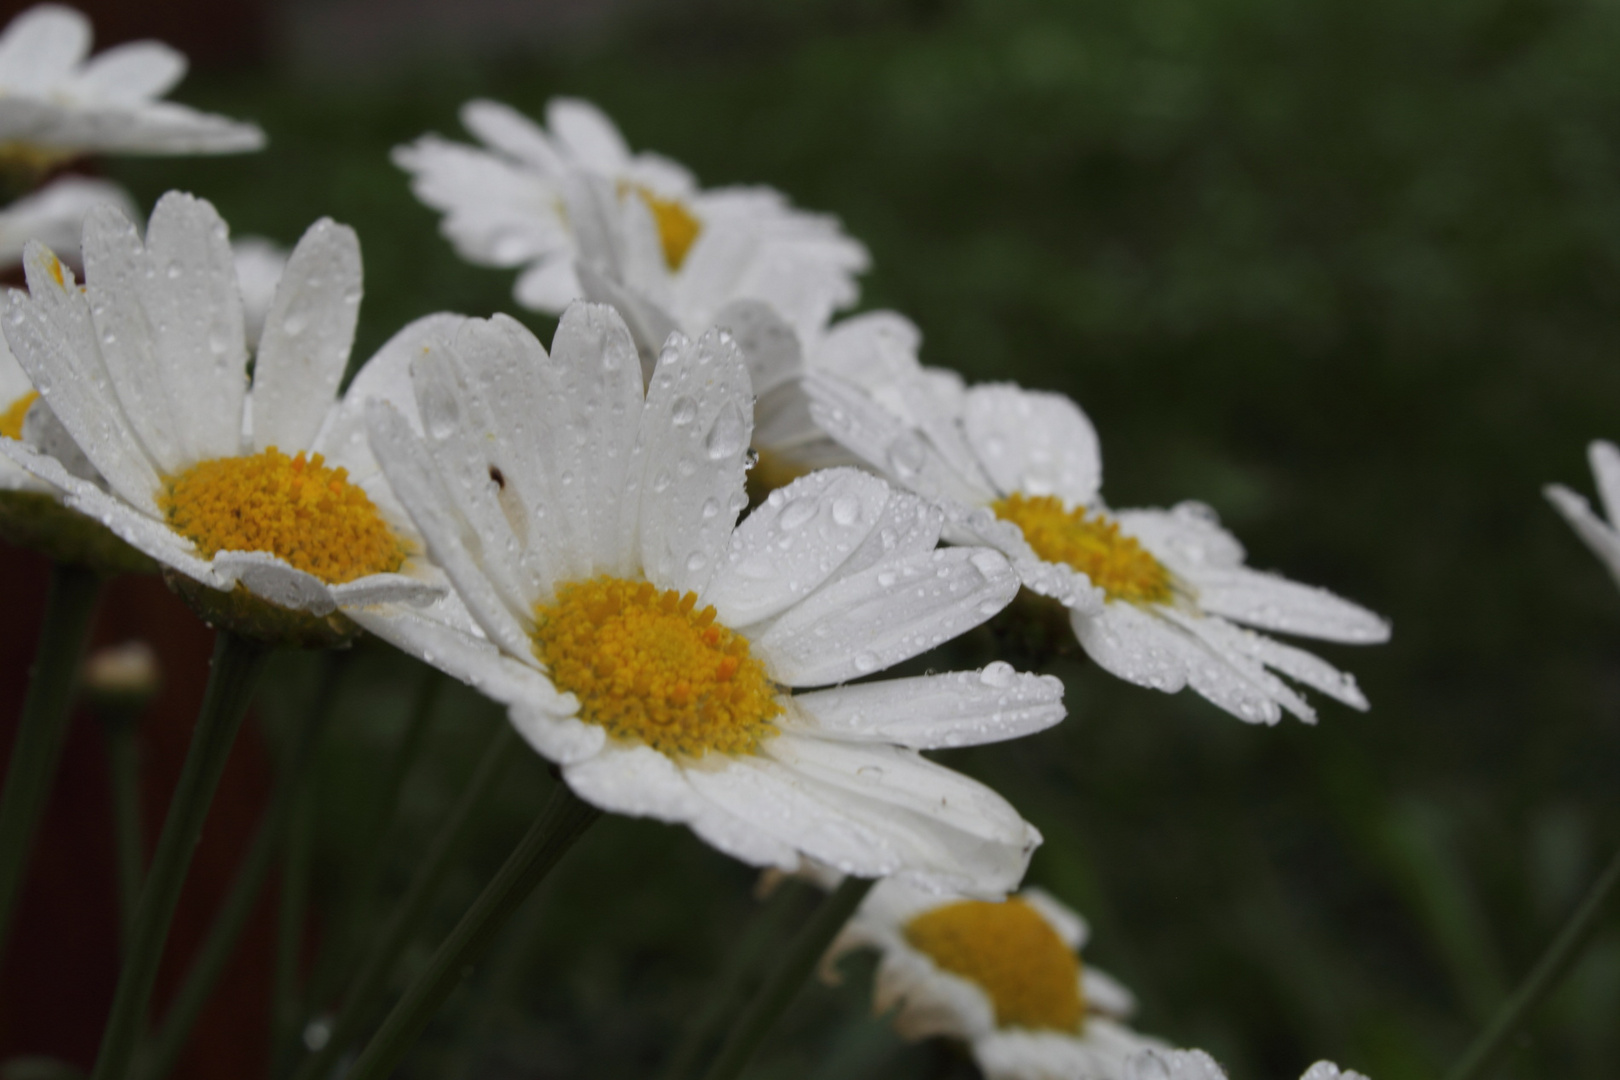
(268, 492)
(586, 217)
(55, 105)
(1153, 595)
(1597, 533)
(591, 530)
(1005, 978)
(1197, 1065)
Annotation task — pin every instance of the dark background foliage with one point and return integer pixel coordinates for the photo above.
(1345, 270)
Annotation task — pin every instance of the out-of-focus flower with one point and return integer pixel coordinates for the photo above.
(122, 676)
(56, 105)
(1153, 595)
(1598, 534)
(1005, 978)
(1197, 1065)
(647, 643)
(54, 215)
(153, 431)
(259, 265)
(586, 217)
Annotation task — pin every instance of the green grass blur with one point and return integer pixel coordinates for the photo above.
(1348, 271)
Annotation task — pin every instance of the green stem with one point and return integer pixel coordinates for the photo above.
(784, 983)
(358, 890)
(233, 915)
(237, 664)
(563, 820)
(129, 844)
(1542, 978)
(43, 727)
(735, 981)
(366, 989)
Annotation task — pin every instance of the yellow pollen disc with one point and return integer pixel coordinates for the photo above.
(293, 507)
(1093, 545)
(678, 228)
(651, 668)
(1012, 953)
(11, 420)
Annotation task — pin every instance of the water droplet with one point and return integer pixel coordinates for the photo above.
(695, 562)
(661, 482)
(682, 411)
(987, 562)
(711, 509)
(998, 674)
(796, 513)
(729, 433)
(846, 511)
(866, 662)
(294, 323)
(907, 456)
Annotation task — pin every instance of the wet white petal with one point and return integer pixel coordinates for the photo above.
(1033, 442)
(927, 712)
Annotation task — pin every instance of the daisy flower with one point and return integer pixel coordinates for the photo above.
(1197, 1065)
(56, 105)
(1005, 978)
(1153, 596)
(1597, 533)
(591, 529)
(587, 217)
(264, 492)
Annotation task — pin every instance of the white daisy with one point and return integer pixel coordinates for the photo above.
(1153, 595)
(1197, 1065)
(56, 105)
(586, 217)
(145, 370)
(1596, 532)
(54, 215)
(590, 527)
(1005, 978)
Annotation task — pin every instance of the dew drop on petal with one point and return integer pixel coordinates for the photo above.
(728, 434)
(866, 662)
(683, 411)
(998, 674)
(846, 511)
(796, 514)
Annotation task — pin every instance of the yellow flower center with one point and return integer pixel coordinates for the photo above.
(28, 162)
(1012, 953)
(678, 228)
(292, 507)
(1093, 545)
(651, 668)
(11, 421)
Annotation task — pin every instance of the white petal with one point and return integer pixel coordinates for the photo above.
(881, 616)
(1130, 643)
(1105, 994)
(1272, 602)
(979, 525)
(650, 324)
(1188, 536)
(1326, 1070)
(1593, 530)
(769, 345)
(793, 542)
(436, 640)
(509, 131)
(693, 452)
(1297, 664)
(1062, 918)
(1605, 459)
(549, 285)
(51, 336)
(586, 135)
(1037, 443)
(588, 409)
(415, 480)
(496, 213)
(386, 589)
(272, 578)
(308, 332)
(1236, 659)
(566, 740)
(927, 1001)
(910, 526)
(1166, 1064)
(41, 46)
(132, 73)
(635, 780)
(927, 712)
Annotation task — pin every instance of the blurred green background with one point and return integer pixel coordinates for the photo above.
(1346, 270)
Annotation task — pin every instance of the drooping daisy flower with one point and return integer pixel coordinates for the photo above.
(1153, 595)
(591, 530)
(586, 217)
(1597, 533)
(54, 215)
(55, 105)
(1005, 978)
(268, 492)
(1197, 1065)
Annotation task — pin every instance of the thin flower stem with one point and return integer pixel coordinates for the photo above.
(238, 662)
(783, 985)
(357, 890)
(129, 844)
(734, 981)
(35, 755)
(563, 820)
(1542, 978)
(366, 989)
(159, 1060)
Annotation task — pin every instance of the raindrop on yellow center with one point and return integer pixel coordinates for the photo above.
(652, 668)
